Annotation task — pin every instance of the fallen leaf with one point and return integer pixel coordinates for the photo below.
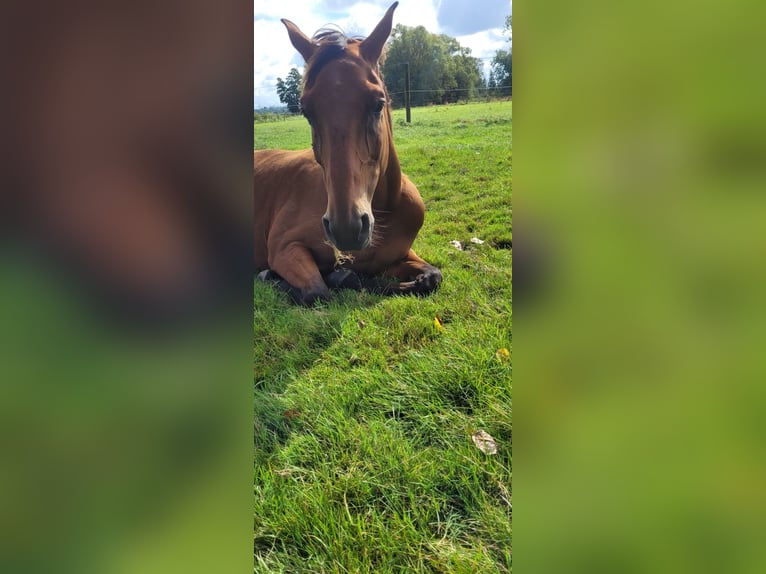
(438, 324)
(456, 244)
(291, 414)
(476, 240)
(362, 324)
(484, 442)
(503, 355)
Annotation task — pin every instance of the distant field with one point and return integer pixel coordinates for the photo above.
(365, 407)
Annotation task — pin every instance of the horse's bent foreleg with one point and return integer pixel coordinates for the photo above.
(267, 275)
(414, 275)
(343, 279)
(296, 266)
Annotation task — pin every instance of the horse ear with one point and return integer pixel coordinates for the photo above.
(372, 47)
(299, 40)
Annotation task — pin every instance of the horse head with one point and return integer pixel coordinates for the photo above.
(345, 102)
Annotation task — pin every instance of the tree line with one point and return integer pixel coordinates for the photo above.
(441, 70)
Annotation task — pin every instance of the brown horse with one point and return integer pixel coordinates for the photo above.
(343, 213)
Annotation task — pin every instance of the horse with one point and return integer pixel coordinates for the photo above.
(342, 214)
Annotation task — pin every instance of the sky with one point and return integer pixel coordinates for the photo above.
(477, 24)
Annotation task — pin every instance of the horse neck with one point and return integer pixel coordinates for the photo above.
(390, 183)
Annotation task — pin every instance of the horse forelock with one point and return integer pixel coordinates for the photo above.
(332, 43)
(333, 35)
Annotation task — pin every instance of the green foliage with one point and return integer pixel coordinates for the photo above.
(502, 72)
(501, 75)
(266, 117)
(364, 407)
(289, 91)
(441, 70)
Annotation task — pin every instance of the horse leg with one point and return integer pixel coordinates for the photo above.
(343, 279)
(267, 275)
(300, 275)
(415, 276)
(336, 279)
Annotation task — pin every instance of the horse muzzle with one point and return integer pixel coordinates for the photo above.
(354, 234)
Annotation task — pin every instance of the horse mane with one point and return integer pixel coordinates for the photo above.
(331, 42)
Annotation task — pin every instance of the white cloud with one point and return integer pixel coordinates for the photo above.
(274, 55)
(418, 13)
(484, 45)
(271, 59)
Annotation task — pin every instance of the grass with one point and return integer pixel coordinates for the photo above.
(365, 406)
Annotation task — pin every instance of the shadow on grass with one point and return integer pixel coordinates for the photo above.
(288, 339)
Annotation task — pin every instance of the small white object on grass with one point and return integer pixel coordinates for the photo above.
(484, 442)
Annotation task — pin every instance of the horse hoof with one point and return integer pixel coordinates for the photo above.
(300, 296)
(307, 299)
(343, 279)
(427, 282)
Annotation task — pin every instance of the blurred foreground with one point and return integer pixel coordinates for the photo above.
(639, 215)
(125, 287)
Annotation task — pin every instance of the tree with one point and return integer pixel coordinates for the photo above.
(289, 91)
(502, 71)
(441, 70)
(502, 63)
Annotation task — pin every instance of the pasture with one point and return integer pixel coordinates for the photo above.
(365, 407)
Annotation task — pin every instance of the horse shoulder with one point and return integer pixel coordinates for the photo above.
(286, 204)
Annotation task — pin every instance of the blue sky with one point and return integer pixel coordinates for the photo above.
(477, 24)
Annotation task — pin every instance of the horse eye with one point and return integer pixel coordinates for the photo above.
(379, 105)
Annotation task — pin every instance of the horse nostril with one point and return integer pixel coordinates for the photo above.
(327, 228)
(365, 231)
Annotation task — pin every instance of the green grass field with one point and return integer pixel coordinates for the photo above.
(365, 407)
